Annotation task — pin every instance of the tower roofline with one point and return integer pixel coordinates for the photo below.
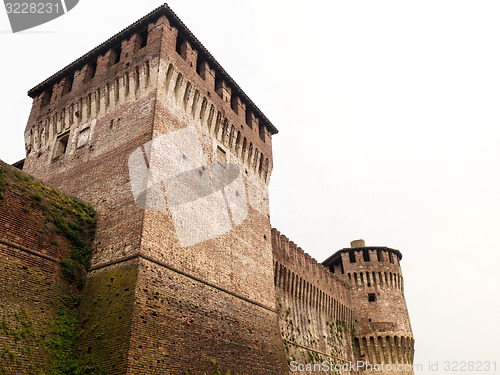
(163, 10)
(336, 255)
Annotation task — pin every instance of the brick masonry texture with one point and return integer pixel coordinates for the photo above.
(31, 281)
(382, 326)
(154, 89)
(314, 307)
(247, 301)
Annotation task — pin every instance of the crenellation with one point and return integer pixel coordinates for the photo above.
(129, 47)
(238, 107)
(251, 120)
(189, 54)
(375, 276)
(85, 74)
(307, 262)
(154, 78)
(79, 108)
(309, 300)
(204, 71)
(106, 61)
(44, 98)
(61, 88)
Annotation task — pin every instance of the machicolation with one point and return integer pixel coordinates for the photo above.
(182, 274)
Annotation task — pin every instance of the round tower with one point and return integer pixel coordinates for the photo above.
(383, 339)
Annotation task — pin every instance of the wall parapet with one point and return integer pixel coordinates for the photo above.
(131, 39)
(294, 253)
(308, 282)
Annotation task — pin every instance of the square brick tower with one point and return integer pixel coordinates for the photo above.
(176, 159)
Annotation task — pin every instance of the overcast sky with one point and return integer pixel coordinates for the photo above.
(389, 116)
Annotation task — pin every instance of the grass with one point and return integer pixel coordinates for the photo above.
(73, 219)
(70, 217)
(3, 182)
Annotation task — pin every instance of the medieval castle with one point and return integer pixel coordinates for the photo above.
(149, 136)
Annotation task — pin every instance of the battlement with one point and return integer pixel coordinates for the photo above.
(368, 266)
(156, 55)
(308, 281)
(152, 81)
(363, 255)
(237, 132)
(138, 35)
(290, 252)
(152, 107)
(382, 328)
(313, 305)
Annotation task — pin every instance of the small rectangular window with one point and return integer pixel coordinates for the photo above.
(352, 256)
(61, 145)
(372, 297)
(221, 155)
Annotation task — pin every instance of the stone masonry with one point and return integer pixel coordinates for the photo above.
(187, 275)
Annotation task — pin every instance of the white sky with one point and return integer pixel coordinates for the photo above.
(389, 116)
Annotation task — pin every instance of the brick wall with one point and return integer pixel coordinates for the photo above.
(80, 141)
(31, 281)
(315, 309)
(382, 325)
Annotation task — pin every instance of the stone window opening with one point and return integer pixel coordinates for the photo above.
(372, 297)
(352, 256)
(61, 145)
(366, 255)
